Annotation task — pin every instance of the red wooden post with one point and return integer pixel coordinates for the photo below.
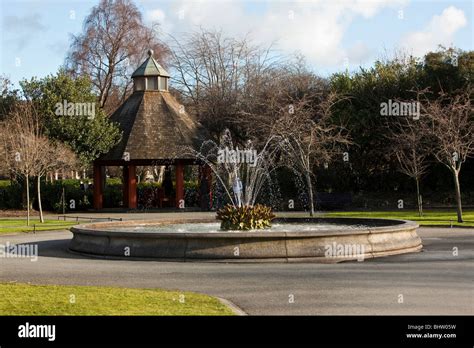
(179, 183)
(205, 190)
(125, 185)
(132, 187)
(98, 188)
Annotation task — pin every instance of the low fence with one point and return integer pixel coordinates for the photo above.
(87, 218)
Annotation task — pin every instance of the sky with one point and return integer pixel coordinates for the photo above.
(333, 35)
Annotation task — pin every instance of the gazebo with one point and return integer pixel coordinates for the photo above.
(156, 130)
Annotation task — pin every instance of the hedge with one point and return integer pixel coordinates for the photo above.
(13, 196)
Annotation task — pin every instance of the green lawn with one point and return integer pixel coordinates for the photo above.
(23, 299)
(430, 218)
(19, 225)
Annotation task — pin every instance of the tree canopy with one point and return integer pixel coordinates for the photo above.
(89, 136)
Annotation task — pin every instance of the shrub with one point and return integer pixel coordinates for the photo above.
(148, 194)
(191, 193)
(11, 195)
(51, 194)
(245, 217)
(113, 195)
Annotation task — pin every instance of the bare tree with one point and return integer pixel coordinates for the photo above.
(450, 123)
(29, 153)
(219, 76)
(22, 131)
(54, 156)
(412, 150)
(308, 138)
(114, 41)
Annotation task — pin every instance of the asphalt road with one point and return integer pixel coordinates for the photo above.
(433, 281)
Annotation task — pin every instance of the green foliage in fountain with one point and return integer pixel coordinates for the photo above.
(245, 217)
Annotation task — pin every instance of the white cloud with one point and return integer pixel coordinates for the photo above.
(27, 24)
(156, 15)
(22, 30)
(316, 28)
(439, 31)
(358, 53)
(185, 16)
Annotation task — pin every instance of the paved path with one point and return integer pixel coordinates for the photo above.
(431, 282)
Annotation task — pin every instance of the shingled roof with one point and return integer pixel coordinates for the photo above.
(154, 128)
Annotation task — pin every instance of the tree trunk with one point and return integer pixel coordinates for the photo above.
(457, 187)
(418, 197)
(39, 200)
(27, 201)
(310, 194)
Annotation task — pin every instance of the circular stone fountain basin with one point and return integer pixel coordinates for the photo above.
(291, 239)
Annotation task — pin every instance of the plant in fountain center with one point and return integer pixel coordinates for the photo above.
(245, 217)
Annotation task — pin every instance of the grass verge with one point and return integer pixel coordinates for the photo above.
(429, 218)
(25, 299)
(19, 225)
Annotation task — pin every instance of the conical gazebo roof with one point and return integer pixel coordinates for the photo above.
(154, 124)
(150, 67)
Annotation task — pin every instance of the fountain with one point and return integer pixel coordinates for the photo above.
(248, 231)
(290, 239)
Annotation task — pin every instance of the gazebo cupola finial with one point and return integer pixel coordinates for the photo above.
(150, 76)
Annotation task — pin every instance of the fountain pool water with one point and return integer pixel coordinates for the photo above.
(214, 227)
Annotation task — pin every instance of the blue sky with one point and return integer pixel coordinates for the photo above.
(333, 35)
